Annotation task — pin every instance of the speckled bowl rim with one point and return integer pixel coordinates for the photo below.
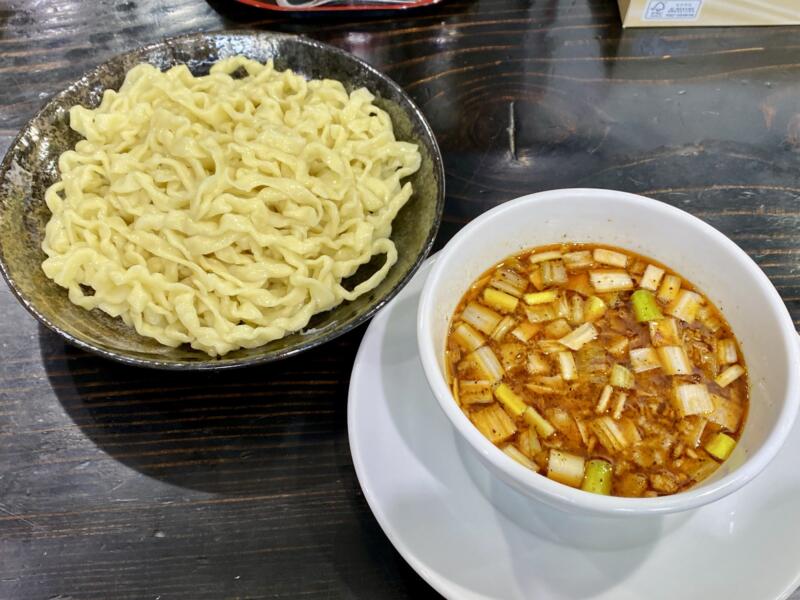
(213, 364)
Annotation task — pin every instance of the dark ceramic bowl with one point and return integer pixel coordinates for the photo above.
(31, 166)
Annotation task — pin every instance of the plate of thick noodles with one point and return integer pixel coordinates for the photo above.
(218, 200)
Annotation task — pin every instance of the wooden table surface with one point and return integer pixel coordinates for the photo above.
(121, 483)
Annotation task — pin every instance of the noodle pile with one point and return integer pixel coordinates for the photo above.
(222, 211)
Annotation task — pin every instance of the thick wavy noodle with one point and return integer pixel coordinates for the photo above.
(224, 211)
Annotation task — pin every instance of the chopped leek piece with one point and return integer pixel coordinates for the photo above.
(645, 307)
(534, 445)
(522, 442)
(494, 423)
(499, 300)
(693, 399)
(547, 385)
(702, 469)
(709, 318)
(610, 434)
(518, 456)
(557, 329)
(609, 257)
(475, 392)
(729, 375)
(651, 278)
(721, 446)
(691, 429)
(621, 377)
(552, 381)
(536, 278)
(637, 268)
(537, 365)
(550, 346)
(525, 331)
(619, 405)
(553, 272)
(454, 389)
(576, 309)
(481, 318)
(541, 313)
(644, 359)
(583, 430)
(727, 413)
(505, 288)
(510, 400)
(685, 305)
(594, 309)
(592, 359)
(561, 307)
(466, 337)
(579, 282)
(664, 332)
(726, 351)
(565, 468)
(529, 443)
(674, 360)
(580, 259)
(488, 364)
(670, 287)
(538, 422)
(566, 362)
(598, 477)
(540, 297)
(576, 339)
(543, 256)
(509, 281)
(629, 431)
(610, 281)
(561, 420)
(617, 345)
(605, 397)
(503, 327)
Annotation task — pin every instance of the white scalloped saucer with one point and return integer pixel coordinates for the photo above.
(431, 499)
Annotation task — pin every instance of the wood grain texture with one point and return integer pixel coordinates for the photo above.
(124, 483)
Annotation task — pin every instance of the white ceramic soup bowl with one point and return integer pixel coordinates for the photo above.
(697, 251)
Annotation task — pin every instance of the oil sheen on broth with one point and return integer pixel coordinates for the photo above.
(599, 368)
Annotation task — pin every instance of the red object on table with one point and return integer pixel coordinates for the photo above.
(336, 5)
